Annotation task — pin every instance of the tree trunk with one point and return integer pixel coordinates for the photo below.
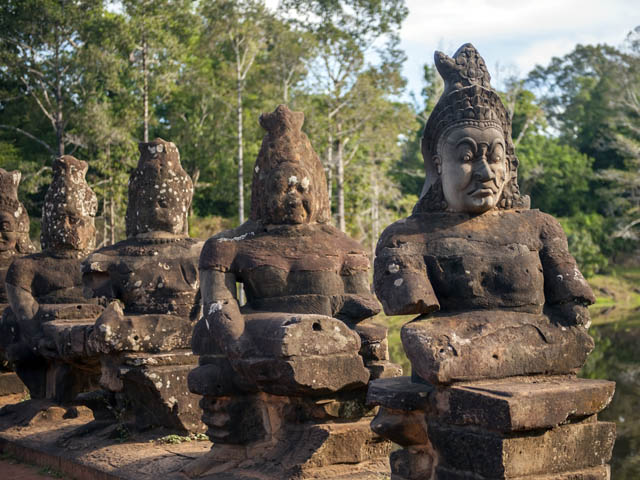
(59, 117)
(145, 90)
(239, 88)
(340, 184)
(330, 170)
(375, 213)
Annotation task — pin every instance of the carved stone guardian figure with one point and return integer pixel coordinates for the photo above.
(284, 375)
(151, 281)
(14, 242)
(46, 295)
(503, 320)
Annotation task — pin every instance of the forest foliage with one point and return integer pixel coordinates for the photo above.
(92, 78)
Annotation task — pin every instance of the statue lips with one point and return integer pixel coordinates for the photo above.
(486, 189)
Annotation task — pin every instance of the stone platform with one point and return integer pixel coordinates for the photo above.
(526, 427)
(66, 440)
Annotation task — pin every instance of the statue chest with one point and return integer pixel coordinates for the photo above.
(466, 273)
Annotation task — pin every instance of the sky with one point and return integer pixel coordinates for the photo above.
(513, 36)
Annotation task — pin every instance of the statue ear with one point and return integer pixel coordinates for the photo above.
(437, 161)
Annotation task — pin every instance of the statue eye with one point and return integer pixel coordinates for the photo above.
(467, 157)
(496, 154)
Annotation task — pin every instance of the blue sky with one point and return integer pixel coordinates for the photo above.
(512, 35)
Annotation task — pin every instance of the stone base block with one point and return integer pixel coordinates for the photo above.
(149, 390)
(10, 384)
(601, 472)
(307, 375)
(493, 455)
(305, 451)
(507, 405)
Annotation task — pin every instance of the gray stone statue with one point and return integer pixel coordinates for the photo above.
(284, 375)
(45, 290)
(503, 309)
(150, 281)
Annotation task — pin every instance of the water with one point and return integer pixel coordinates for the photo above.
(617, 357)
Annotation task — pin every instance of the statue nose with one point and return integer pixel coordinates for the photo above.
(482, 170)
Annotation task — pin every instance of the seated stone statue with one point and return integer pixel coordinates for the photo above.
(300, 338)
(499, 296)
(14, 242)
(45, 291)
(14, 228)
(151, 280)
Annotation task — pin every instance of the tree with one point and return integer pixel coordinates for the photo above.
(347, 32)
(239, 28)
(38, 44)
(157, 30)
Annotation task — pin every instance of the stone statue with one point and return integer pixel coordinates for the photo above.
(14, 242)
(151, 280)
(295, 359)
(14, 227)
(45, 289)
(500, 297)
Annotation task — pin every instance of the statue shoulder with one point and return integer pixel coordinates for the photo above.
(220, 250)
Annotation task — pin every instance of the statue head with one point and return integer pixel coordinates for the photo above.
(14, 220)
(289, 185)
(69, 209)
(468, 152)
(160, 191)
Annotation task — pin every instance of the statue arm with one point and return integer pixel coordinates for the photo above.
(222, 323)
(96, 280)
(357, 303)
(402, 283)
(22, 303)
(565, 289)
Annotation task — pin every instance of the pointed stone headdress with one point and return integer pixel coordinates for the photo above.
(159, 181)
(286, 145)
(468, 99)
(68, 196)
(9, 203)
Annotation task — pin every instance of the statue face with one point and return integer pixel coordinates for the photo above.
(161, 212)
(70, 231)
(291, 196)
(8, 235)
(473, 168)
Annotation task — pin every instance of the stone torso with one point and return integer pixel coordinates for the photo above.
(490, 261)
(49, 279)
(290, 261)
(150, 276)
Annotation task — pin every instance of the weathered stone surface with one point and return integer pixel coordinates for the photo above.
(307, 375)
(523, 404)
(493, 344)
(10, 384)
(493, 455)
(412, 464)
(402, 427)
(596, 473)
(503, 304)
(401, 394)
(383, 369)
(159, 396)
(298, 353)
(14, 232)
(47, 286)
(286, 335)
(151, 284)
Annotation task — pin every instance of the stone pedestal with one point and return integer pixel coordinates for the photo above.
(520, 427)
